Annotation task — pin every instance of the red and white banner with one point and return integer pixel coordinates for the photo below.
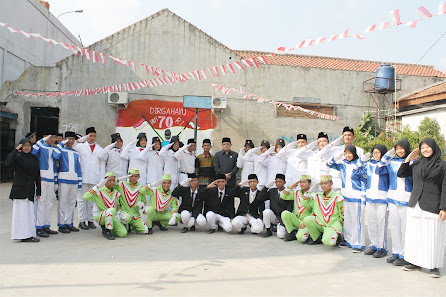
(395, 20)
(288, 106)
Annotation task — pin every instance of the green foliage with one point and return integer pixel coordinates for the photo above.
(428, 127)
(367, 126)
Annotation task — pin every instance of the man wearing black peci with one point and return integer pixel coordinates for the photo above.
(225, 162)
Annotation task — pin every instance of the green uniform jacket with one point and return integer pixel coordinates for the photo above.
(103, 198)
(130, 196)
(330, 213)
(162, 202)
(302, 207)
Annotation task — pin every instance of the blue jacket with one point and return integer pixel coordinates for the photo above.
(69, 166)
(377, 185)
(48, 168)
(353, 183)
(399, 188)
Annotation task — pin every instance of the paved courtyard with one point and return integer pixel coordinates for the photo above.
(193, 264)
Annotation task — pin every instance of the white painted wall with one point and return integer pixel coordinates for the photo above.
(414, 120)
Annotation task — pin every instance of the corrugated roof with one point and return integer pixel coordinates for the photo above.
(436, 89)
(342, 64)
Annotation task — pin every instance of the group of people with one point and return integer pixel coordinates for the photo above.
(314, 192)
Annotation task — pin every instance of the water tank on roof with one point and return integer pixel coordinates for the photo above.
(385, 78)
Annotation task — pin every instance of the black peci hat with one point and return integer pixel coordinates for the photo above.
(70, 134)
(348, 129)
(301, 136)
(90, 130)
(322, 135)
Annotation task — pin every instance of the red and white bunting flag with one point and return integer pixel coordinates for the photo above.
(247, 63)
(12, 30)
(309, 42)
(320, 40)
(395, 17)
(103, 58)
(231, 67)
(27, 35)
(370, 28)
(344, 34)
(301, 44)
(3, 24)
(216, 71)
(383, 25)
(333, 38)
(253, 61)
(238, 65)
(211, 71)
(203, 72)
(359, 35)
(423, 13)
(412, 24)
(197, 73)
(88, 54)
(441, 8)
(280, 49)
(263, 60)
(132, 65)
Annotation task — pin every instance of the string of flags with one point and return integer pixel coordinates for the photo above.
(226, 91)
(395, 20)
(94, 56)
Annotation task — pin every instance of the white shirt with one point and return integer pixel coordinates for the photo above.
(186, 160)
(114, 162)
(247, 166)
(252, 195)
(137, 163)
(93, 168)
(260, 170)
(296, 162)
(170, 163)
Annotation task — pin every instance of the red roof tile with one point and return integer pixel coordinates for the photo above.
(436, 89)
(341, 63)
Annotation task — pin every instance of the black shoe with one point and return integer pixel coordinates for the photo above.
(370, 252)
(435, 273)
(104, 231)
(391, 259)
(31, 239)
(73, 229)
(41, 233)
(317, 241)
(379, 254)
(192, 229)
(150, 231)
(162, 228)
(410, 267)
(400, 262)
(91, 225)
(109, 235)
(210, 231)
(64, 230)
(268, 233)
(242, 231)
(356, 250)
(290, 236)
(83, 226)
(184, 230)
(49, 231)
(220, 229)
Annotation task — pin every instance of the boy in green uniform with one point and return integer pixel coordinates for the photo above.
(162, 207)
(106, 198)
(303, 207)
(132, 200)
(328, 214)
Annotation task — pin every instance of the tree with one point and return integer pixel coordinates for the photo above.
(429, 127)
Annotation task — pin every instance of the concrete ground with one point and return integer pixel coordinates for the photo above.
(193, 264)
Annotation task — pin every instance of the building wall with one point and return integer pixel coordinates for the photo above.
(166, 41)
(413, 120)
(16, 51)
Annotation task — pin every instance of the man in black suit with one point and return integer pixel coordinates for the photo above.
(191, 207)
(218, 205)
(248, 212)
(272, 213)
(225, 162)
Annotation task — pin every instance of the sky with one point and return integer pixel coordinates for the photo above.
(266, 25)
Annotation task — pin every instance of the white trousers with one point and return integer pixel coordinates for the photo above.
(270, 218)
(44, 205)
(23, 220)
(189, 221)
(67, 202)
(425, 235)
(84, 208)
(240, 222)
(397, 221)
(354, 225)
(377, 225)
(214, 219)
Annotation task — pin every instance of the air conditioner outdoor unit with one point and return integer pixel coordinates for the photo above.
(219, 103)
(118, 98)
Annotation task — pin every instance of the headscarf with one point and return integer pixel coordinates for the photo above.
(139, 137)
(430, 164)
(352, 149)
(380, 147)
(404, 143)
(27, 161)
